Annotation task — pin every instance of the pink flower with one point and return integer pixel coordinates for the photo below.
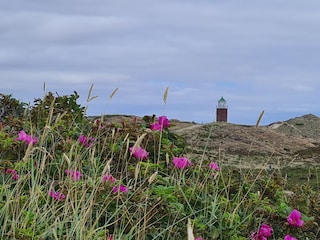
(87, 142)
(181, 162)
(288, 237)
(294, 219)
(155, 127)
(198, 238)
(26, 138)
(57, 195)
(108, 178)
(139, 152)
(75, 175)
(162, 123)
(264, 232)
(11, 171)
(214, 166)
(14, 174)
(120, 188)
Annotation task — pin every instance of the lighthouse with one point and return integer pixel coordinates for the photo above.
(222, 110)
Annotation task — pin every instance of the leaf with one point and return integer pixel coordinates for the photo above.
(215, 234)
(163, 190)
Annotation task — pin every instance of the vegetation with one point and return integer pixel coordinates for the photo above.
(66, 177)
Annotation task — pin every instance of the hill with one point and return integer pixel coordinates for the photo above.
(292, 142)
(295, 142)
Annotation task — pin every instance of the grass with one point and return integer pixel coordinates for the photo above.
(162, 201)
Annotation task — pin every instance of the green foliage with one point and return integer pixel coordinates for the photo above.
(227, 204)
(61, 112)
(6, 144)
(11, 110)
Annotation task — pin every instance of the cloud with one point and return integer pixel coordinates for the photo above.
(258, 55)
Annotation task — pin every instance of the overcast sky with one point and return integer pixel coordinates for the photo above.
(258, 55)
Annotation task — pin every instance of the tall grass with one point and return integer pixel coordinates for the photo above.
(162, 201)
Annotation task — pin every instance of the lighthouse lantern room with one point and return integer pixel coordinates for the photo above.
(222, 110)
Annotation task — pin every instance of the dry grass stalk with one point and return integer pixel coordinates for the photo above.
(153, 177)
(165, 95)
(89, 98)
(138, 142)
(259, 119)
(190, 230)
(113, 93)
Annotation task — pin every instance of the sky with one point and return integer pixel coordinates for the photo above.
(258, 55)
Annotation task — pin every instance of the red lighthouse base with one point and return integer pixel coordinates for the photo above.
(222, 115)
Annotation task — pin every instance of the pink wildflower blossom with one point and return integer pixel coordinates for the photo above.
(139, 152)
(120, 188)
(87, 142)
(294, 219)
(26, 138)
(198, 238)
(214, 166)
(108, 178)
(75, 175)
(14, 174)
(57, 195)
(181, 162)
(162, 123)
(155, 127)
(11, 171)
(288, 237)
(264, 232)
